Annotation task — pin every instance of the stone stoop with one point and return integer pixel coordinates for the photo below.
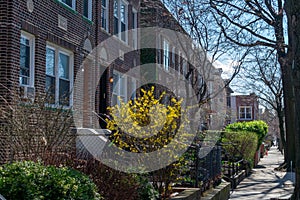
(221, 192)
(187, 193)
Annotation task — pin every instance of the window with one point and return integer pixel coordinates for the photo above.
(180, 62)
(119, 88)
(120, 19)
(88, 9)
(245, 112)
(104, 15)
(166, 57)
(132, 88)
(184, 67)
(228, 100)
(26, 59)
(70, 3)
(173, 57)
(59, 75)
(134, 27)
(159, 51)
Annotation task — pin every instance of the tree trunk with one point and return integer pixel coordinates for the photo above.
(281, 130)
(293, 17)
(289, 108)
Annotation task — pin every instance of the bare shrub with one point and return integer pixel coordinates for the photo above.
(32, 129)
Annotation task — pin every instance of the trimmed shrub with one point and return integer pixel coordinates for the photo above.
(260, 128)
(30, 180)
(240, 144)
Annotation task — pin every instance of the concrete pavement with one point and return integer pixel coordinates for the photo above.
(264, 182)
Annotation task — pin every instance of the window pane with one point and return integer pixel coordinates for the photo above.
(123, 86)
(86, 8)
(24, 41)
(50, 89)
(24, 61)
(103, 18)
(132, 89)
(64, 92)
(116, 84)
(63, 66)
(123, 13)
(116, 9)
(166, 55)
(116, 25)
(68, 2)
(248, 113)
(123, 34)
(133, 24)
(104, 3)
(242, 113)
(50, 62)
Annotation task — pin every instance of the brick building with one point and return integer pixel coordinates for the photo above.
(177, 57)
(244, 108)
(44, 43)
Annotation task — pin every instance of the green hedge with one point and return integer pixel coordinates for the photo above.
(240, 145)
(260, 128)
(33, 181)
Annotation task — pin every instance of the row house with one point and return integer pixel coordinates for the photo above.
(173, 52)
(45, 43)
(244, 108)
(217, 104)
(179, 58)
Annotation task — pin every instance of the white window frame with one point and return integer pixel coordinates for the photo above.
(118, 16)
(31, 40)
(244, 108)
(57, 49)
(73, 4)
(166, 55)
(90, 10)
(104, 15)
(117, 86)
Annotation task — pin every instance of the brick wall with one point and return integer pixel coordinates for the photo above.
(247, 100)
(42, 22)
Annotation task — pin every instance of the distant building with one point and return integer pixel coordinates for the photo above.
(229, 91)
(244, 108)
(217, 103)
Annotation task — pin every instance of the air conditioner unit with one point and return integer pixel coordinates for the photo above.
(27, 92)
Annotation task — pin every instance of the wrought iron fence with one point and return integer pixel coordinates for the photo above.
(205, 171)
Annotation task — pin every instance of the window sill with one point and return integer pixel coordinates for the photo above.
(105, 31)
(122, 41)
(55, 107)
(87, 20)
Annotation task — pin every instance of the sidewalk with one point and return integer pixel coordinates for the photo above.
(264, 182)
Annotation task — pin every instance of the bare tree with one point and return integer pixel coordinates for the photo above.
(254, 23)
(210, 47)
(263, 76)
